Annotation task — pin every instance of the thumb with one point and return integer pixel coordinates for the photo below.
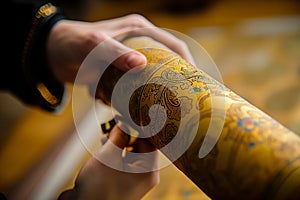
(110, 153)
(130, 60)
(121, 56)
(118, 137)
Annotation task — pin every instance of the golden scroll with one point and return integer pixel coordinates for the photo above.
(254, 156)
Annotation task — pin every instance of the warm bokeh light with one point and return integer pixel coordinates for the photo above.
(255, 44)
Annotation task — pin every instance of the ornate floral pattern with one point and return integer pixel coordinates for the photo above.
(254, 155)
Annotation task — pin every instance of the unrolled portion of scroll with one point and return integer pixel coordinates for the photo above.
(254, 156)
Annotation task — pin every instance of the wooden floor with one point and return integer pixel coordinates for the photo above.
(255, 44)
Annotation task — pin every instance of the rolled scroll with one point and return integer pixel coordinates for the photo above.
(229, 148)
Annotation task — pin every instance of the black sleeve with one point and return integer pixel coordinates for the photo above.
(24, 71)
(2, 196)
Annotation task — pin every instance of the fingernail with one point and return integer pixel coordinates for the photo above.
(136, 60)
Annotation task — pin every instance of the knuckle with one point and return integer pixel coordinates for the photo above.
(136, 20)
(93, 38)
(183, 46)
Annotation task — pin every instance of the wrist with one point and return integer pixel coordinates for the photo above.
(46, 90)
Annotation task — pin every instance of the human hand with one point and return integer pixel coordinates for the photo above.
(71, 41)
(99, 181)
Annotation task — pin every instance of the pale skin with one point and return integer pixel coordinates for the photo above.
(98, 181)
(68, 45)
(71, 41)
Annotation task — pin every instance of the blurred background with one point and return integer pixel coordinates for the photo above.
(255, 44)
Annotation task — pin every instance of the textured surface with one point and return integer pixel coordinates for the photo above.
(250, 140)
(263, 68)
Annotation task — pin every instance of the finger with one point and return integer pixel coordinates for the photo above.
(137, 25)
(121, 56)
(118, 137)
(175, 44)
(130, 60)
(125, 24)
(143, 159)
(170, 41)
(111, 152)
(142, 145)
